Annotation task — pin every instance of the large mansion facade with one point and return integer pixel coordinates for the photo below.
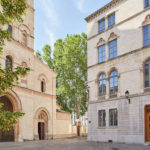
(119, 72)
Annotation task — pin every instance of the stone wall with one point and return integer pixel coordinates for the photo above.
(131, 17)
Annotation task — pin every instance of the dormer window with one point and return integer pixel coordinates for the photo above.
(102, 25)
(111, 20)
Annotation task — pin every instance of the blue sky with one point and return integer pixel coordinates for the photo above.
(55, 19)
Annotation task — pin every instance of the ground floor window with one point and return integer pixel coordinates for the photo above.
(113, 117)
(101, 118)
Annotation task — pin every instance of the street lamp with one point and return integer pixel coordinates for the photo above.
(127, 96)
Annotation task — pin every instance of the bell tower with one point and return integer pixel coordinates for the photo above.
(24, 33)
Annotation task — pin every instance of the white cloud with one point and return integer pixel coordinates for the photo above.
(51, 36)
(50, 11)
(80, 4)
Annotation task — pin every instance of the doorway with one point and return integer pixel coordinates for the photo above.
(6, 135)
(41, 130)
(147, 123)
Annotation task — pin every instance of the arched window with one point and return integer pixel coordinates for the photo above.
(113, 82)
(8, 63)
(102, 85)
(43, 86)
(24, 64)
(24, 37)
(10, 30)
(147, 74)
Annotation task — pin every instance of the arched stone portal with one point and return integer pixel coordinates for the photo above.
(41, 124)
(11, 103)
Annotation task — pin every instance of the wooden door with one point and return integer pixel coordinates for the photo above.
(7, 135)
(78, 130)
(147, 123)
(41, 130)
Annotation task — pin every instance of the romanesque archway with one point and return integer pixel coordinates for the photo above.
(41, 124)
(11, 103)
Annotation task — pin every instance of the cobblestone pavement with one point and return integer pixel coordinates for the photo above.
(69, 144)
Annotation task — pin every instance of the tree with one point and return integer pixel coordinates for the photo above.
(39, 55)
(46, 56)
(11, 11)
(70, 63)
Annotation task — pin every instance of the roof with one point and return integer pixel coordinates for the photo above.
(101, 10)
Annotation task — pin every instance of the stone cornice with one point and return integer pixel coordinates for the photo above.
(102, 10)
(23, 89)
(20, 44)
(119, 98)
(116, 25)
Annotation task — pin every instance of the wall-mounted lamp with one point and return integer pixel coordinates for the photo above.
(127, 96)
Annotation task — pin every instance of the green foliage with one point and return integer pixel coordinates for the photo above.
(38, 54)
(46, 56)
(9, 78)
(8, 119)
(11, 10)
(70, 64)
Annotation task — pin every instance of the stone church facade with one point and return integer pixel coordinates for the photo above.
(119, 72)
(36, 93)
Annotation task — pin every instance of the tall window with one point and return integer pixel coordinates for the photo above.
(113, 82)
(8, 62)
(101, 51)
(111, 20)
(10, 30)
(102, 25)
(146, 32)
(113, 49)
(147, 74)
(147, 3)
(24, 37)
(101, 118)
(102, 85)
(43, 86)
(113, 117)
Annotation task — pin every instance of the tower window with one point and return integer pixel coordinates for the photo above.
(8, 62)
(10, 30)
(43, 86)
(24, 37)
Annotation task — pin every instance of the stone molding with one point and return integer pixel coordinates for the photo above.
(113, 3)
(146, 21)
(23, 89)
(100, 42)
(137, 14)
(119, 98)
(112, 36)
(43, 76)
